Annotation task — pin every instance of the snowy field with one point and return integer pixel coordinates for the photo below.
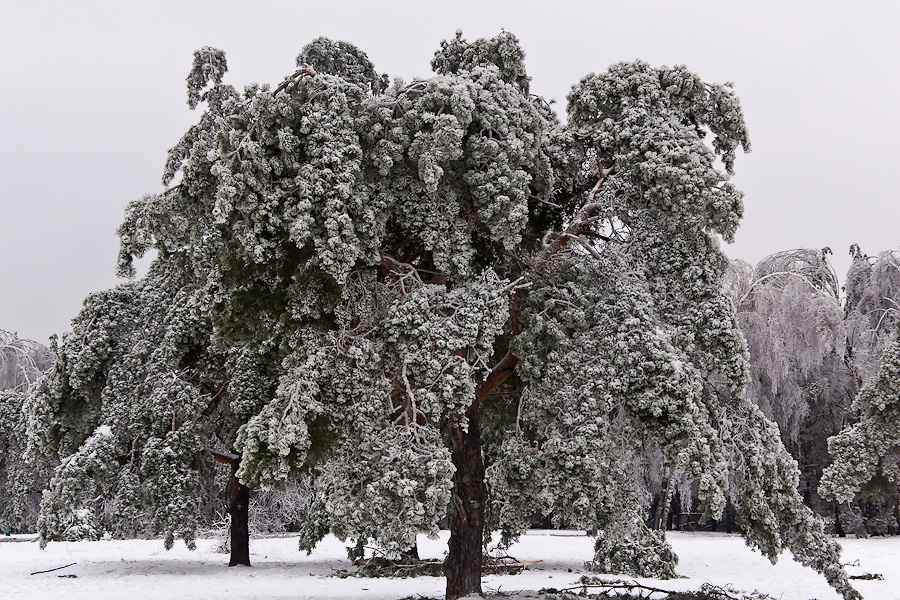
(143, 569)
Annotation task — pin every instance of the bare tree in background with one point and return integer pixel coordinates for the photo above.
(872, 308)
(21, 363)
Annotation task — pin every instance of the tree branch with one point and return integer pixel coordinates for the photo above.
(559, 240)
(56, 569)
(223, 457)
(298, 75)
(500, 373)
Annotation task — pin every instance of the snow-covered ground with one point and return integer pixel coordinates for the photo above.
(142, 569)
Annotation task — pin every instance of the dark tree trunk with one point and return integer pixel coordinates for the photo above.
(667, 503)
(239, 509)
(674, 520)
(838, 526)
(896, 516)
(463, 565)
(729, 518)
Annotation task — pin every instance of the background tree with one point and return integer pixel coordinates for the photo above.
(790, 312)
(867, 454)
(21, 363)
(809, 355)
(412, 262)
(872, 308)
(134, 406)
(872, 317)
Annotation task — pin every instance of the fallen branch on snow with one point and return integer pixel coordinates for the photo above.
(56, 569)
(707, 591)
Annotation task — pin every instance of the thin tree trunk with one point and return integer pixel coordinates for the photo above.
(667, 503)
(896, 515)
(463, 565)
(239, 509)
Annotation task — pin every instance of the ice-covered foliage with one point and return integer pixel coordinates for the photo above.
(502, 51)
(20, 482)
(438, 275)
(790, 312)
(650, 124)
(21, 364)
(344, 60)
(872, 308)
(766, 497)
(132, 402)
(637, 551)
(870, 448)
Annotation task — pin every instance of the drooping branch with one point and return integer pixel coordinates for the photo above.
(296, 77)
(785, 274)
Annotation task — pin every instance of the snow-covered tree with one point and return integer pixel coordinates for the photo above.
(791, 315)
(866, 454)
(456, 292)
(872, 308)
(135, 406)
(790, 312)
(21, 363)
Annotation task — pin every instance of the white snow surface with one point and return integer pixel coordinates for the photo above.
(104, 430)
(142, 569)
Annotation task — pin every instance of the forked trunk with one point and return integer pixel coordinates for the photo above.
(239, 509)
(463, 565)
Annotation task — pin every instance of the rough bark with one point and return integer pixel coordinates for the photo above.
(463, 565)
(239, 509)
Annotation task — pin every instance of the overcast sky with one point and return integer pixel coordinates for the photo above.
(93, 95)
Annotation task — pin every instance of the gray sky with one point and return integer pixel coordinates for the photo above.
(93, 95)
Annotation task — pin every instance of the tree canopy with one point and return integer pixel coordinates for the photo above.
(418, 292)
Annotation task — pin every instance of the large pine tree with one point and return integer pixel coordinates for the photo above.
(454, 293)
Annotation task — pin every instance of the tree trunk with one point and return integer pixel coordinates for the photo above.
(667, 503)
(239, 509)
(463, 565)
(674, 522)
